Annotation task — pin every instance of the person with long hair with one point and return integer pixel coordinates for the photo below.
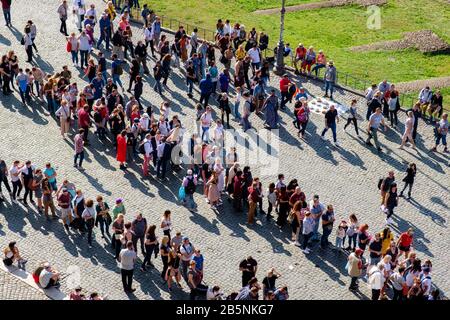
(151, 243)
(164, 250)
(390, 202)
(173, 269)
(409, 179)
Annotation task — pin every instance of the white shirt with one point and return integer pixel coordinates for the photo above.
(160, 149)
(148, 147)
(92, 12)
(63, 112)
(84, 43)
(206, 119)
(27, 39)
(254, 55)
(227, 29)
(80, 6)
(376, 279)
(24, 170)
(218, 133)
(148, 34)
(163, 128)
(144, 122)
(14, 170)
(88, 213)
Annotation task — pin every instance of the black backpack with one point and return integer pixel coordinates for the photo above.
(142, 147)
(380, 182)
(190, 187)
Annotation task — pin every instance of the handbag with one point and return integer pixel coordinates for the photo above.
(31, 186)
(290, 217)
(69, 46)
(181, 193)
(8, 261)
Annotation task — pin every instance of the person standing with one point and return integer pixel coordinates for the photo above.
(206, 88)
(284, 90)
(247, 110)
(127, 258)
(330, 79)
(122, 149)
(4, 179)
(253, 199)
(189, 184)
(151, 247)
(409, 179)
(372, 128)
(84, 121)
(27, 178)
(327, 226)
(355, 266)
(79, 9)
(390, 202)
(139, 227)
(187, 252)
(89, 217)
(441, 133)
(408, 134)
(6, 7)
(103, 217)
(28, 43)
(248, 267)
(309, 223)
(79, 149)
(62, 11)
(331, 118)
(64, 205)
(64, 117)
(376, 280)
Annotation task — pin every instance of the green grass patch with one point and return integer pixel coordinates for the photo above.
(413, 96)
(335, 30)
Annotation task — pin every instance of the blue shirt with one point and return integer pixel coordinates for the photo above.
(198, 262)
(98, 86)
(105, 23)
(50, 172)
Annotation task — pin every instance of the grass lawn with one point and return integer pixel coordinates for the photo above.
(335, 30)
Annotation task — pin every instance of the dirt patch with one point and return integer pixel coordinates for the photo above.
(425, 41)
(414, 86)
(324, 4)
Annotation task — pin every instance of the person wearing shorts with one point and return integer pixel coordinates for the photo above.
(64, 204)
(405, 241)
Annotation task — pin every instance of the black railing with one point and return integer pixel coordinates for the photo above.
(342, 78)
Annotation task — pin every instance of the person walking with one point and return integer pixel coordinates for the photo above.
(127, 258)
(390, 202)
(206, 88)
(372, 128)
(79, 149)
(352, 117)
(27, 177)
(331, 118)
(409, 179)
(6, 7)
(190, 184)
(4, 179)
(408, 134)
(63, 14)
(122, 149)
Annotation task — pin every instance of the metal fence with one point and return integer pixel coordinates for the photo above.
(342, 78)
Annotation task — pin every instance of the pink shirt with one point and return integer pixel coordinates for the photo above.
(78, 143)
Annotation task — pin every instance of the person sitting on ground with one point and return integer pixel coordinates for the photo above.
(49, 277)
(12, 254)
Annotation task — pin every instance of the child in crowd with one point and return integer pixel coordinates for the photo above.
(340, 234)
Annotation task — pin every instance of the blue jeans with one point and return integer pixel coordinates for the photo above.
(116, 80)
(317, 67)
(329, 85)
(7, 15)
(105, 76)
(205, 133)
(338, 243)
(316, 229)
(190, 85)
(332, 126)
(246, 123)
(74, 56)
(104, 36)
(325, 234)
(189, 200)
(78, 155)
(444, 139)
(84, 58)
(51, 105)
(136, 3)
(157, 87)
(352, 239)
(236, 110)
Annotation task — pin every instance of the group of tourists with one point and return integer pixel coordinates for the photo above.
(139, 130)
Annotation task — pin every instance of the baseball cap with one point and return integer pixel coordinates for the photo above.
(185, 238)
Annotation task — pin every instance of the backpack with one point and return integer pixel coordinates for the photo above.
(190, 187)
(142, 147)
(119, 70)
(302, 117)
(380, 182)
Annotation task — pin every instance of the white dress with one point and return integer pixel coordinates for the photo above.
(221, 176)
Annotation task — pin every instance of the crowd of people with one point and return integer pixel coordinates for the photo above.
(137, 130)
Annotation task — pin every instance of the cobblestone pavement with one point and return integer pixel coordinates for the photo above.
(345, 177)
(12, 288)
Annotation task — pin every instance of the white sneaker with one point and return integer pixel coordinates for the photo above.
(298, 244)
(306, 251)
(15, 201)
(323, 138)
(337, 144)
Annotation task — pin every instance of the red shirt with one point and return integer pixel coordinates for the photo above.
(284, 82)
(83, 118)
(5, 4)
(405, 239)
(254, 194)
(300, 52)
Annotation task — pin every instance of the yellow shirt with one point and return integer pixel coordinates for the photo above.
(385, 243)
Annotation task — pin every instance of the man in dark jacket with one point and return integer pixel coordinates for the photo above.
(206, 87)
